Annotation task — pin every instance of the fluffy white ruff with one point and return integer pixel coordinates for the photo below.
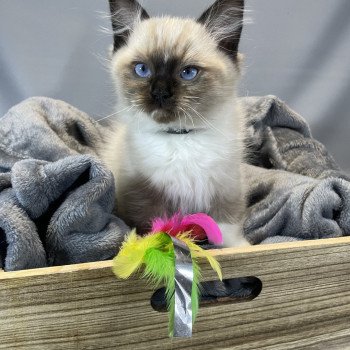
(190, 169)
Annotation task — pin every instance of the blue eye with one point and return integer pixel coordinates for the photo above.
(142, 70)
(189, 73)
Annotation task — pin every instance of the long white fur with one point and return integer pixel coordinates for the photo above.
(182, 166)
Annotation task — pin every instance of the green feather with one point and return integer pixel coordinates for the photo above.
(156, 253)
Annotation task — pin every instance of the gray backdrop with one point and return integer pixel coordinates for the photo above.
(298, 50)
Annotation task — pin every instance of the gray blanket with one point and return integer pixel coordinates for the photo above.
(57, 198)
(295, 188)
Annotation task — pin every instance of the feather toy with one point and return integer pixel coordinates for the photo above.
(155, 252)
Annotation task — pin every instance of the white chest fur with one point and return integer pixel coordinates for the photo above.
(193, 171)
(184, 167)
(190, 169)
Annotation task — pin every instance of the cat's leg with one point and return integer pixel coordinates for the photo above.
(140, 202)
(233, 235)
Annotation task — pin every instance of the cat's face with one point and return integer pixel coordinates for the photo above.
(171, 68)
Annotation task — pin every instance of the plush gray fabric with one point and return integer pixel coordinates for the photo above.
(295, 188)
(57, 198)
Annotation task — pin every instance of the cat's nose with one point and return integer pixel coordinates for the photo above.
(161, 93)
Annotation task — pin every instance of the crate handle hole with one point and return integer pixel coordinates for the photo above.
(227, 291)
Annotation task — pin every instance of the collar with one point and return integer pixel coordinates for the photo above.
(178, 131)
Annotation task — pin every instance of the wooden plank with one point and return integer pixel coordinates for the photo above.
(304, 304)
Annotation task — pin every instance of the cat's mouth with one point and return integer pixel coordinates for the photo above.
(172, 123)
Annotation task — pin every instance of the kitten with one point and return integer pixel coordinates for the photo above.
(177, 144)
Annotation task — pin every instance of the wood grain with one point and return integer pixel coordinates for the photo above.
(304, 304)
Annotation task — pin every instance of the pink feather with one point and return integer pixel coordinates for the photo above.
(201, 226)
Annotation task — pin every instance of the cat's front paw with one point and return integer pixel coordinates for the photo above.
(232, 235)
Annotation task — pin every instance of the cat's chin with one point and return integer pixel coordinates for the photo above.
(163, 116)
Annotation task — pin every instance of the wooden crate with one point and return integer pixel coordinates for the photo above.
(304, 304)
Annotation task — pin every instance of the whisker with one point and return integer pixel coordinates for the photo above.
(188, 115)
(179, 119)
(208, 123)
(113, 114)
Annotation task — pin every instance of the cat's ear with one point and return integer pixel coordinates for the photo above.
(224, 21)
(124, 15)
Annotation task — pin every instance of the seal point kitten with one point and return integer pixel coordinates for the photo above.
(177, 141)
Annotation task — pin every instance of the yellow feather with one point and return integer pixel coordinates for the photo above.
(131, 255)
(132, 252)
(129, 258)
(197, 251)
